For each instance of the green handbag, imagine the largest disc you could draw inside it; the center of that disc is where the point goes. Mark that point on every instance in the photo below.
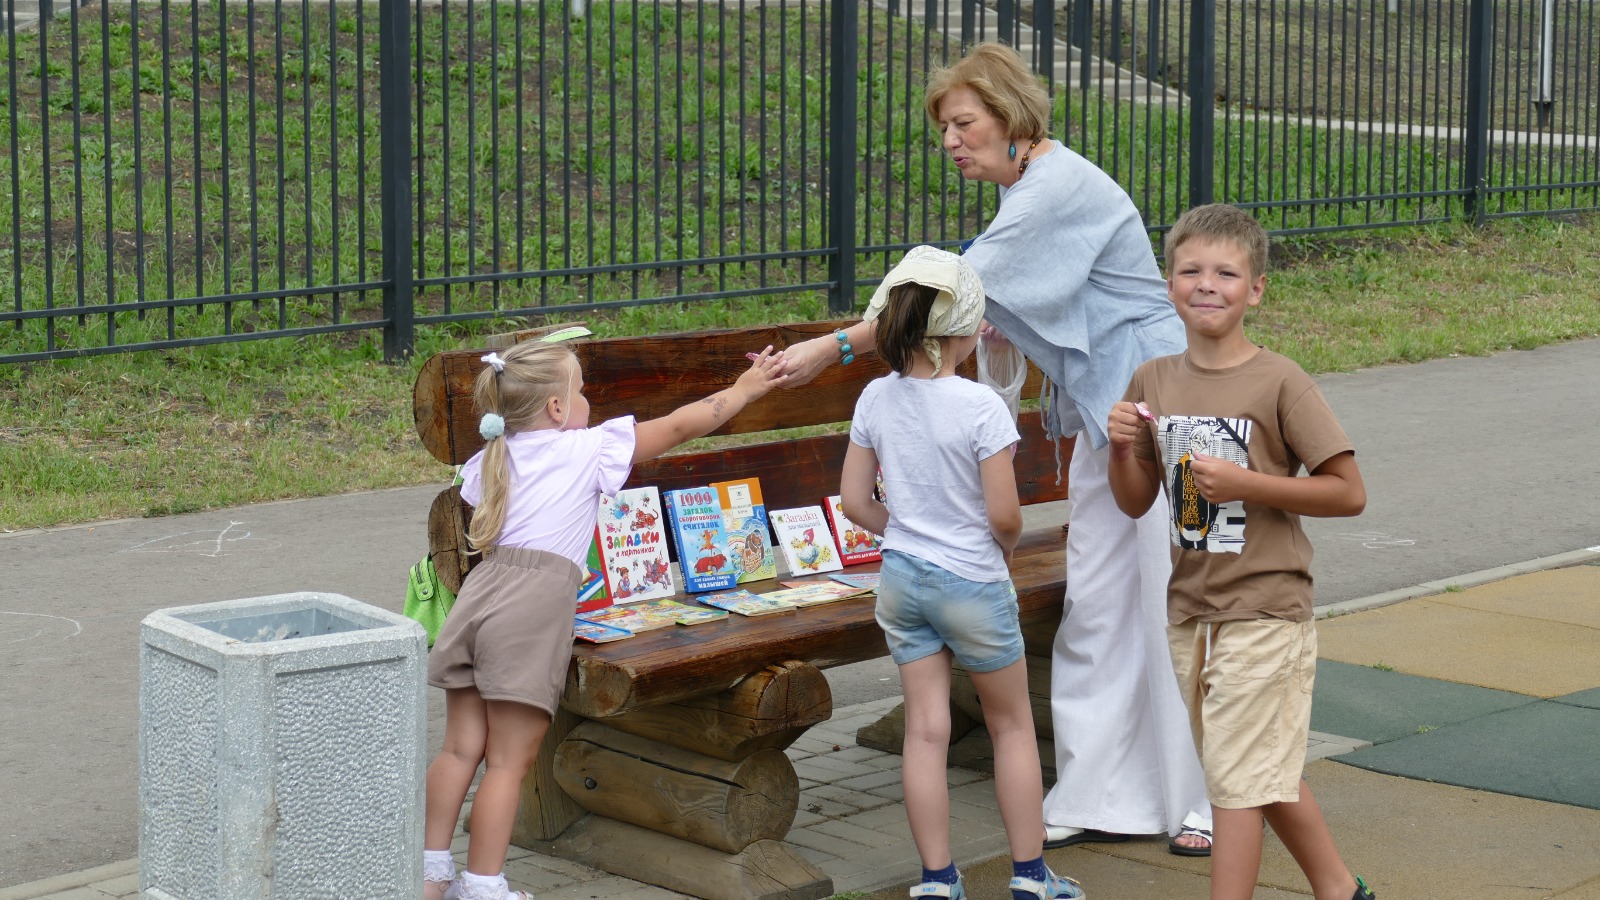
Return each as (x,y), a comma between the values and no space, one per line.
(428,601)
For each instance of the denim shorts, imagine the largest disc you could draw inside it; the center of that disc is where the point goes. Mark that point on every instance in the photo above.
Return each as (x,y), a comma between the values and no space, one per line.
(922,609)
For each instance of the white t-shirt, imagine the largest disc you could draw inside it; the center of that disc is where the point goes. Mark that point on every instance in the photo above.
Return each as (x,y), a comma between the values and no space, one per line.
(557,478)
(929,435)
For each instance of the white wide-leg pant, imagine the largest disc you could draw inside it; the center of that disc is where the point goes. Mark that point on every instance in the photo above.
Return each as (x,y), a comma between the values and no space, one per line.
(1125,760)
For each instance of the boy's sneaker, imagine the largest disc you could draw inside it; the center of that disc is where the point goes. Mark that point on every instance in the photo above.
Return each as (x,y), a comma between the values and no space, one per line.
(1362,891)
(957,891)
(1053,887)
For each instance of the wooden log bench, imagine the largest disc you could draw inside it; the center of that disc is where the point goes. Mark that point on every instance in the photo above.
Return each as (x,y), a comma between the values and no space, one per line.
(666,763)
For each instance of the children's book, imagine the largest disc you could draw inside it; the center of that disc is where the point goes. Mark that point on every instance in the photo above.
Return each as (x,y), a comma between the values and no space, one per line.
(592,593)
(856,544)
(867,580)
(815,593)
(633,546)
(805,541)
(671,612)
(747,604)
(627,617)
(744,518)
(695,516)
(596,633)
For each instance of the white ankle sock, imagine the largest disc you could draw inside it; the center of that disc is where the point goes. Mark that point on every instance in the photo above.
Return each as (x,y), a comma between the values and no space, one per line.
(438,865)
(484,887)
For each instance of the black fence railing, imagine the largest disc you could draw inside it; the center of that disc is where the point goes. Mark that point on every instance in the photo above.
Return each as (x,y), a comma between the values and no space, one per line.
(228,170)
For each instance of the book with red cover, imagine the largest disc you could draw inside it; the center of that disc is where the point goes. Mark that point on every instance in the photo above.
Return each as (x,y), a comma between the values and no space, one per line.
(856,544)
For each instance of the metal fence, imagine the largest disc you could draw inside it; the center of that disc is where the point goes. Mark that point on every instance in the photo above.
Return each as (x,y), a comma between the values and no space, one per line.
(235,169)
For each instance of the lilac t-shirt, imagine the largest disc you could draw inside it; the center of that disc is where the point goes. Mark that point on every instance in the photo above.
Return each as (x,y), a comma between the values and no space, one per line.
(557,478)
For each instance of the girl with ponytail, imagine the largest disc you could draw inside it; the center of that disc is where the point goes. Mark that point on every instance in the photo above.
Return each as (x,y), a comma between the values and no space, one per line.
(944,447)
(502,654)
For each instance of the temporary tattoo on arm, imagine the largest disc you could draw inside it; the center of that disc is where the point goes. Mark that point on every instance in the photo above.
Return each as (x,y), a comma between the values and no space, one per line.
(718,404)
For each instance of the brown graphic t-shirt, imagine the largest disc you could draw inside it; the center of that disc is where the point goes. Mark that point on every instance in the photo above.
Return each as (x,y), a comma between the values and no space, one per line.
(1235,560)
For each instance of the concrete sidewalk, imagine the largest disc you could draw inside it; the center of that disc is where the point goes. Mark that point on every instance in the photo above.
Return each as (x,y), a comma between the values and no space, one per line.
(1454,755)
(1478,469)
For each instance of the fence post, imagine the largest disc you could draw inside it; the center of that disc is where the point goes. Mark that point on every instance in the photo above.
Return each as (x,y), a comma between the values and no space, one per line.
(1202,100)
(394,143)
(842,159)
(1480,33)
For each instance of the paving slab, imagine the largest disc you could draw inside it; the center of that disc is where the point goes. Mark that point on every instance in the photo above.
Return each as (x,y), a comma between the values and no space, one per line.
(1452,642)
(1378,706)
(1104,877)
(1588,891)
(1589,698)
(1409,839)
(1545,750)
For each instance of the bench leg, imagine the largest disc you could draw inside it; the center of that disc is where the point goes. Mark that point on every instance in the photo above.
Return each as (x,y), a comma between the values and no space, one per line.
(692,796)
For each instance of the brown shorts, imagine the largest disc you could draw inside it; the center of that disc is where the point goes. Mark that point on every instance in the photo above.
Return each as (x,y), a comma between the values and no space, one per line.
(1249,700)
(510,632)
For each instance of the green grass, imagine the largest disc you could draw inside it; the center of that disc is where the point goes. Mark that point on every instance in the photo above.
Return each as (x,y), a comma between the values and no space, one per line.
(171,431)
(619,139)
(1357,60)
(633,137)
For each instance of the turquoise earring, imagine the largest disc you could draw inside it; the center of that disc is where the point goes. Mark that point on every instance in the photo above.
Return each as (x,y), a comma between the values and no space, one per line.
(1012,153)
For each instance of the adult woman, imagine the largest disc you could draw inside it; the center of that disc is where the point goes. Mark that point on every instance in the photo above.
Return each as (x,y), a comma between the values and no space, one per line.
(1071,279)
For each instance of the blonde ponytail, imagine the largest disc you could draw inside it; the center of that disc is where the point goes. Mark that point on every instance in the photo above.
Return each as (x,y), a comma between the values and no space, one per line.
(519,392)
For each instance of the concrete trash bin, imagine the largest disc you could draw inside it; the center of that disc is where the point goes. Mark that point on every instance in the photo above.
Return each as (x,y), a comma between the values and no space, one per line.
(281,744)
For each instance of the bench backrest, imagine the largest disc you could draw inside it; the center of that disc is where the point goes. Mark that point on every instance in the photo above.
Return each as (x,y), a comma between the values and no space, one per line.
(651,376)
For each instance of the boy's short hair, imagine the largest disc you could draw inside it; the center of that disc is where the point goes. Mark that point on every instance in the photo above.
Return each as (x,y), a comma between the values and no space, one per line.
(1000,78)
(1220,221)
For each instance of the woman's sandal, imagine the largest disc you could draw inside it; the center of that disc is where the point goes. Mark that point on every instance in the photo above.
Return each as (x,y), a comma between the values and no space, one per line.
(1194,825)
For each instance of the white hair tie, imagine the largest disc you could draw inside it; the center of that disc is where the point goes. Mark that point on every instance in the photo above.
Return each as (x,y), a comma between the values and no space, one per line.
(491,426)
(494,361)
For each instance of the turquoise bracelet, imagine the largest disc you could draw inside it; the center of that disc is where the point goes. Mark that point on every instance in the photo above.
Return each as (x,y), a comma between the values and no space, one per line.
(846,352)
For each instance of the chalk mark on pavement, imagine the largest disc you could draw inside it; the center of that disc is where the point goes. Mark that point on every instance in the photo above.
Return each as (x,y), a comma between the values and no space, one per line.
(205,543)
(77,627)
(1377,540)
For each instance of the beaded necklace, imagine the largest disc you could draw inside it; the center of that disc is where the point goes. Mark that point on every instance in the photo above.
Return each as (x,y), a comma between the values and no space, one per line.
(1022,167)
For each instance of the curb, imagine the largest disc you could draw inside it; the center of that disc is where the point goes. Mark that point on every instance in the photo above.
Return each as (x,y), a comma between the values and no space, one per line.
(67,882)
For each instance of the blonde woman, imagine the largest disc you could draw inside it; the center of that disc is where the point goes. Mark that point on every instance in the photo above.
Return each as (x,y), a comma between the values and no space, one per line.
(1071,279)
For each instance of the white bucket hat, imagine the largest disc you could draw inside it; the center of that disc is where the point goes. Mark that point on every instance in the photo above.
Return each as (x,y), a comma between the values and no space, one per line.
(957,310)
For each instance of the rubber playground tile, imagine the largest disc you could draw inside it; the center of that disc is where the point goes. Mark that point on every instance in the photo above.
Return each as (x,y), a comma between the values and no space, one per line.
(1544,751)
(1422,841)
(1590,699)
(1523,655)
(1409,839)
(1570,595)
(1378,706)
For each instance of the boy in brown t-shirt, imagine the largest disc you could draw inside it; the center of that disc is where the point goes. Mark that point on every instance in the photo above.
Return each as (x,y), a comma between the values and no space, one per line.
(1225,427)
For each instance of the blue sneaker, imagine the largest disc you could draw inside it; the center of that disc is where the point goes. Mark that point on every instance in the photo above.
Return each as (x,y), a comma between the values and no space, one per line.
(957,891)
(1053,887)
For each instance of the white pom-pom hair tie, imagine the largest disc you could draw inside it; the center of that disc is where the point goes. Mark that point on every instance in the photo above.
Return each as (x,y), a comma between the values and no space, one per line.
(495,361)
(491,426)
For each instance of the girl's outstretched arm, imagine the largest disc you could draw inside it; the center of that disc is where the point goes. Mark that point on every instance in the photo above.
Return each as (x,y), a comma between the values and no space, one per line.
(698,419)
